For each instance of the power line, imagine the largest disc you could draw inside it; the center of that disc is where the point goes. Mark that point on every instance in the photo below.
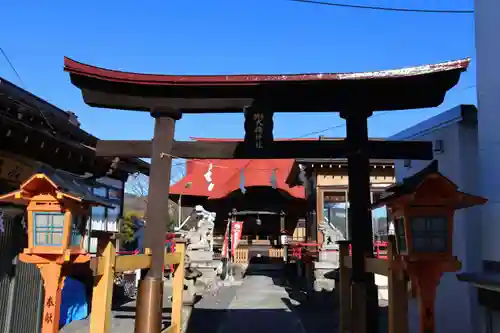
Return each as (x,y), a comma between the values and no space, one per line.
(12,67)
(24,86)
(210,164)
(392,9)
(334,127)
(377,114)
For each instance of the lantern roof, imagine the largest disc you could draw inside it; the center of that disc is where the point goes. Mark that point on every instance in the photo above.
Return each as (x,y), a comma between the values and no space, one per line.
(64,184)
(414,183)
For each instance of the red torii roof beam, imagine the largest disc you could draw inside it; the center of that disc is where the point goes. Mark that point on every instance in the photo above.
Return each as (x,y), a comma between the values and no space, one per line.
(408,88)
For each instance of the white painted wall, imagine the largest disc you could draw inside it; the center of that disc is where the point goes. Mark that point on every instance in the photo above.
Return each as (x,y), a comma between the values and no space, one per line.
(111,226)
(488,93)
(456,305)
(487,30)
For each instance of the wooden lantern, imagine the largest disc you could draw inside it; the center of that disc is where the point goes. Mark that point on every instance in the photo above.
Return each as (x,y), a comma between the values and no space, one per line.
(58,206)
(422,209)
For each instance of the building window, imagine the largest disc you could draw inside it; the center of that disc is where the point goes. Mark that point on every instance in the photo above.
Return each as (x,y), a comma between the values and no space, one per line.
(113,213)
(335,215)
(76,231)
(379,219)
(101,192)
(48,229)
(115,194)
(98,213)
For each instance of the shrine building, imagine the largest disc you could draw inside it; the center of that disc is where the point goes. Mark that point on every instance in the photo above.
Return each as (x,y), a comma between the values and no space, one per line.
(257,186)
(325,182)
(314,190)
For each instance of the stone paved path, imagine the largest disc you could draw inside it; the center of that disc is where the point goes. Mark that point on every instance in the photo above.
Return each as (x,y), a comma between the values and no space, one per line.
(261,306)
(211,311)
(255,304)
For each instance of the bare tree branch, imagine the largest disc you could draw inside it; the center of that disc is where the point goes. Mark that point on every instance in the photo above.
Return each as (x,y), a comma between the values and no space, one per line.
(139,185)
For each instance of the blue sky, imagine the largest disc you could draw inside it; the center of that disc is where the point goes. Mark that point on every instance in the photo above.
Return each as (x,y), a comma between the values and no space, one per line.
(228,36)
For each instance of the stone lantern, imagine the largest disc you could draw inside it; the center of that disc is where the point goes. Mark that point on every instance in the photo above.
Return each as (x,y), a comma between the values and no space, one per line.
(422,209)
(57,206)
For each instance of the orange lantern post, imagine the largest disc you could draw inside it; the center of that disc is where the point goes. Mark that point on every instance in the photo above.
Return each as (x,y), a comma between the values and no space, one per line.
(57,211)
(422,208)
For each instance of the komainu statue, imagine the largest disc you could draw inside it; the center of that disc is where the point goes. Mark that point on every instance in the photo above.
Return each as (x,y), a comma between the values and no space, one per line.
(330,235)
(200,237)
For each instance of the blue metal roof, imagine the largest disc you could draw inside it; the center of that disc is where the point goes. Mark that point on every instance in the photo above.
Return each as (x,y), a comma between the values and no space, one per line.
(445,119)
(75,185)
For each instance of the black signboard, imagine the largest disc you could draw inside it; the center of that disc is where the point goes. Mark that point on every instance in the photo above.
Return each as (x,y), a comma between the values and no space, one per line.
(258,128)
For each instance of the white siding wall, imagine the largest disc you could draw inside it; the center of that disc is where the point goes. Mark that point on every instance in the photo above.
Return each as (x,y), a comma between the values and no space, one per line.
(488,89)
(487,28)
(457,162)
(111,226)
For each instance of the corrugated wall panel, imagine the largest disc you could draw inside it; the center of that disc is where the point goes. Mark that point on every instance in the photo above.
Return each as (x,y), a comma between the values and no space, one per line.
(23,280)
(6,256)
(27,287)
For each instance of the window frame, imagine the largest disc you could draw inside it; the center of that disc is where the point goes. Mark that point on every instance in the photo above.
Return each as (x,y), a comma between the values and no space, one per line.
(49,228)
(429,234)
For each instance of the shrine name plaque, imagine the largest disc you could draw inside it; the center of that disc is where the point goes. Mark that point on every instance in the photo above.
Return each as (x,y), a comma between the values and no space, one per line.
(259,126)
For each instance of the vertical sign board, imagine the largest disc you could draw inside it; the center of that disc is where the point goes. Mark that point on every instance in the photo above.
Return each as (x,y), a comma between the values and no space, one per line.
(258,129)
(236,231)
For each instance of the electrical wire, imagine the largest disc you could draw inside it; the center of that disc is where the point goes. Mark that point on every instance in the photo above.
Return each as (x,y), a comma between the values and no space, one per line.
(24,86)
(12,67)
(299,137)
(392,9)
(212,165)
(209,164)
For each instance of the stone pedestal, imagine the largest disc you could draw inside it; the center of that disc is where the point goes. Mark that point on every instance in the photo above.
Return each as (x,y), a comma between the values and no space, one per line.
(203,262)
(200,256)
(331,257)
(324,274)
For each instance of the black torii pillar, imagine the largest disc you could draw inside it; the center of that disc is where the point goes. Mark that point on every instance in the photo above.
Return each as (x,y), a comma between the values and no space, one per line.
(363,289)
(149,308)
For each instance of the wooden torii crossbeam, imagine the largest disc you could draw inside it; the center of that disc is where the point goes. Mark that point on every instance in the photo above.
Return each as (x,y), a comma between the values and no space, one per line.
(377,149)
(356,95)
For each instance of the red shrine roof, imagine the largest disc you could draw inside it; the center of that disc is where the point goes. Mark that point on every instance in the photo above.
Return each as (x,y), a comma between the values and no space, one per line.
(316,92)
(226,176)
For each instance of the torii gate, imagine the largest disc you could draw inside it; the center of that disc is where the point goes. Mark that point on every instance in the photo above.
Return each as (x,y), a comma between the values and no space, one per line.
(354,95)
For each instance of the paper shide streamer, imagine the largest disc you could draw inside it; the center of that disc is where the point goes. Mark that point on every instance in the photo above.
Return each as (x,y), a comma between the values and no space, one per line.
(242,181)
(273,180)
(208,177)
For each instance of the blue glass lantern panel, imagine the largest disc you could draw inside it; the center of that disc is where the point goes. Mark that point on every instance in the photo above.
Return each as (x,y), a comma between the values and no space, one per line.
(48,229)
(399,226)
(430,234)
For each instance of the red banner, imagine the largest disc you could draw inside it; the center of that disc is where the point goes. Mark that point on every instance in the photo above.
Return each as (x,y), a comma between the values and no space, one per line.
(236,231)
